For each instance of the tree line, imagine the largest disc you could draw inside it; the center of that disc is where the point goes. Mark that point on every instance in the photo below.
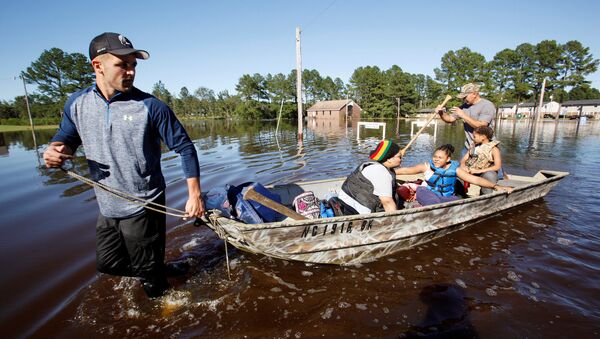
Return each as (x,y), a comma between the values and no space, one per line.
(512,75)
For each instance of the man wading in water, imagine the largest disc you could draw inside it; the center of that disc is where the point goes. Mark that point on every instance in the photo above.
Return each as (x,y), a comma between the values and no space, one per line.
(121,128)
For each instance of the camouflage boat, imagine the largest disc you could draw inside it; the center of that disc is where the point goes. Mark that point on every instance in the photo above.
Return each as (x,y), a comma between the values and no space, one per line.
(362,238)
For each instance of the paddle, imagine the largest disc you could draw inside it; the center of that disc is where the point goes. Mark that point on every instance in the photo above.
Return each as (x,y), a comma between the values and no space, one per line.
(403,151)
(251,194)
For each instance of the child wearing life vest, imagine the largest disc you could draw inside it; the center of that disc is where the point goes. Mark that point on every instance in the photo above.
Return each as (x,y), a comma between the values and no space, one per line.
(440,175)
(483,159)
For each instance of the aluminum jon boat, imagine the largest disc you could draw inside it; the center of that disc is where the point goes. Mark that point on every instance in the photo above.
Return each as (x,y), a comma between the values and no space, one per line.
(349,240)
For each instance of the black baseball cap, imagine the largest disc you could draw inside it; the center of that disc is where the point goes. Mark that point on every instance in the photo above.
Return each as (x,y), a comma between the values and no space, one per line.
(114,43)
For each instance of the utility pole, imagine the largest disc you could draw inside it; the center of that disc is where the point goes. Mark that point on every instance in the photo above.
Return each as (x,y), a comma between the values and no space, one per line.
(398,118)
(299,82)
(539,112)
(29,112)
(346,114)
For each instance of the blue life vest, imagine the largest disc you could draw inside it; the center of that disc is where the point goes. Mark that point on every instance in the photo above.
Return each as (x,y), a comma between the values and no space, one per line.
(442,181)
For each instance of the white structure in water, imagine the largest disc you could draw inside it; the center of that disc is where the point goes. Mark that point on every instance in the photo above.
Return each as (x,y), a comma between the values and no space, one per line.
(568,109)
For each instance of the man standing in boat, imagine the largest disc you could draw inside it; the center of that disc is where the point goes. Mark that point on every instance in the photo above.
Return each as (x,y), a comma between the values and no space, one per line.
(371,186)
(474,112)
(121,128)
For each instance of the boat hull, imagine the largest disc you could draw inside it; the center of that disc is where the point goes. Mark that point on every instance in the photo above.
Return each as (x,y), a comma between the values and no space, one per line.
(363,238)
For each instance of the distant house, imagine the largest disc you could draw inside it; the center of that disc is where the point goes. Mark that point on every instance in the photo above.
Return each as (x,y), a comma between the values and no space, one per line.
(526,109)
(588,108)
(572,108)
(334,110)
(423,113)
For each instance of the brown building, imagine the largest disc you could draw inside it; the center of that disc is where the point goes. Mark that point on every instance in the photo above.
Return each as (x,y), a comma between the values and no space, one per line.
(334,110)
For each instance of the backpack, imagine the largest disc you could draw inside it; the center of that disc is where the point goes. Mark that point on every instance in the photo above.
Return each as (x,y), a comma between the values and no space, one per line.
(307,205)
(217,199)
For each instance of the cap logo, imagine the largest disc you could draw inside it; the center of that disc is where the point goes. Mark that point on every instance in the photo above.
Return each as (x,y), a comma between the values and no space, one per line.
(124,41)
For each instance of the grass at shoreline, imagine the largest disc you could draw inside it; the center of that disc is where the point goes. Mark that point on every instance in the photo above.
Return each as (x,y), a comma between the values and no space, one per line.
(18,128)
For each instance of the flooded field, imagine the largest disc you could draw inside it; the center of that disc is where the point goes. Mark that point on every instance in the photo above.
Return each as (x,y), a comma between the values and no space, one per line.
(530,271)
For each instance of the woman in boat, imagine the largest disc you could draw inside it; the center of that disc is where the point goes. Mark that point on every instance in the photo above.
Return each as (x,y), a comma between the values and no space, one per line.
(441,174)
(483,159)
(371,186)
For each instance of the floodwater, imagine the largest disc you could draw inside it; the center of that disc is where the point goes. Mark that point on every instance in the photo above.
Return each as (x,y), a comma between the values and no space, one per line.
(531,271)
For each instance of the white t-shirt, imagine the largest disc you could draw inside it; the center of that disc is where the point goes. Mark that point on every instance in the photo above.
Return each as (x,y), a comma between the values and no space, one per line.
(381,179)
(428,173)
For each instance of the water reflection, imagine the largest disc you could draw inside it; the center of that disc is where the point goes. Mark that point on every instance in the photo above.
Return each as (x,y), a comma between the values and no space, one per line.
(3,146)
(447,314)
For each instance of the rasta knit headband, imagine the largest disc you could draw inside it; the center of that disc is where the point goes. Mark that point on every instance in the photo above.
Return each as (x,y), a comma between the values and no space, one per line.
(385,150)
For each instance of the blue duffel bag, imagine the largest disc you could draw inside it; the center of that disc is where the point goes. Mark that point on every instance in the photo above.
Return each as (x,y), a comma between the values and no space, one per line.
(252,212)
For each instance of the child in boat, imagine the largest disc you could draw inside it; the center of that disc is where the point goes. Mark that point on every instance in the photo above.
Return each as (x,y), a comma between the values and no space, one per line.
(440,175)
(483,158)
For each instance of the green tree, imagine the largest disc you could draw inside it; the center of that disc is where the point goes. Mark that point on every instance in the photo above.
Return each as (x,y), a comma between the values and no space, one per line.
(252,87)
(576,63)
(341,88)
(186,104)
(162,93)
(503,71)
(460,67)
(39,106)
(523,72)
(548,55)
(279,87)
(399,85)
(367,85)
(584,92)
(292,80)
(226,104)
(428,91)
(313,86)
(7,110)
(206,101)
(331,89)
(57,74)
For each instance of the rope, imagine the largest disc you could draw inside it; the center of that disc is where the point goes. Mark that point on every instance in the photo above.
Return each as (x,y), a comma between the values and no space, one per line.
(227,258)
(128,197)
(141,202)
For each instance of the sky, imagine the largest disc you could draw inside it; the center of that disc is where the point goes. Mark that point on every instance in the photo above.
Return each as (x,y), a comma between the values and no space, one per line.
(213,43)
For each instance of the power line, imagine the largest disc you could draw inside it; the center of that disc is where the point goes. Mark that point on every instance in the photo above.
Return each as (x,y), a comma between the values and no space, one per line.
(318,15)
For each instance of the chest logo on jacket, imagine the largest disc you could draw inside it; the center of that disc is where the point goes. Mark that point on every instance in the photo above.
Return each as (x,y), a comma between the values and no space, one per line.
(127,117)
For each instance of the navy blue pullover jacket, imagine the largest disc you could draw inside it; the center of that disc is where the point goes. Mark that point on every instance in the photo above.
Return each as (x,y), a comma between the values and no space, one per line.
(121,140)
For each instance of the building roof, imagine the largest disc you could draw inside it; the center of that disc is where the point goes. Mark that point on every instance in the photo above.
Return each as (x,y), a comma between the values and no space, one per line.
(330,105)
(425,110)
(590,102)
(529,104)
(523,104)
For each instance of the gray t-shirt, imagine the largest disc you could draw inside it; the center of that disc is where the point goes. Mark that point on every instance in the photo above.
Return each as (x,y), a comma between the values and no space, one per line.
(483,110)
